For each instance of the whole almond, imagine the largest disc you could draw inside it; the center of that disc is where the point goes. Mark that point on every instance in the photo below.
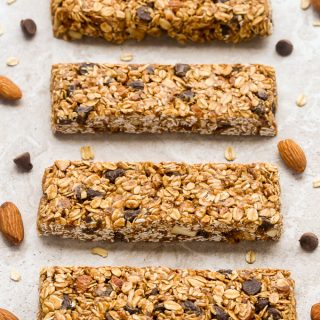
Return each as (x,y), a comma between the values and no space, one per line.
(11,224)
(9,90)
(315,312)
(6,315)
(292,155)
(316,4)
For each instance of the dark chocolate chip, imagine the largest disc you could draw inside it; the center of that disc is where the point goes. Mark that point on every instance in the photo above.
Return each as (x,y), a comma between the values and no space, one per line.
(203,234)
(150,69)
(309,242)
(181,70)
(225,271)
(80,192)
(83,68)
(28,27)
(173,173)
(225,30)
(274,314)
(159,307)
(261,304)
(136,84)
(66,302)
(71,89)
(251,287)
(144,14)
(220,314)
(265,225)
(23,162)
(259,109)
(83,113)
(94,194)
(118,236)
(64,121)
(262,95)
(284,48)
(154,292)
(108,316)
(186,95)
(131,214)
(189,306)
(112,175)
(132,310)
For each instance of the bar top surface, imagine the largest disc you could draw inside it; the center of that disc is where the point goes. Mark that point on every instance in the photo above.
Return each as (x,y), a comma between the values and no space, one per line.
(112,293)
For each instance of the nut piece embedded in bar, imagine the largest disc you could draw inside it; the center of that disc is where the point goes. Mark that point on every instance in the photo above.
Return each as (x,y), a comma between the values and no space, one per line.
(203,98)
(168,201)
(188,20)
(163,293)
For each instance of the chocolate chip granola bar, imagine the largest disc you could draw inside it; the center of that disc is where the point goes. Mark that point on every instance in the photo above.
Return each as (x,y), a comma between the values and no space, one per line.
(207,99)
(112,293)
(184,20)
(167,201)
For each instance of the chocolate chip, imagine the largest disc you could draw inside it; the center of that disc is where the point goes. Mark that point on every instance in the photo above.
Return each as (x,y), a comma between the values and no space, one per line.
(261,304)
(220,314)
(203,234)
(83,68)
(225,30)
(225,271)
(309,242)
(118,236)
(186,95)
(154,292)
(108,316)
(29,27)
(265,225)
(80,192)
(66,302)
(112,175)
(131,214)
(94,194)
(262,95)
(259,109)
(131,310)
(159,307)
(64,121)
(274,314)
(251,287)
(71,89)
(143,13)
(181,70)
(284,48)
(189,306)
(150,69)
(83,113)
(23,162)
(136,84)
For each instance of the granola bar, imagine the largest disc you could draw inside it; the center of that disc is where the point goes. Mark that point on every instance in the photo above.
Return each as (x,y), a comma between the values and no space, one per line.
(230,21)
(115,293)
(168,201)
(209,99)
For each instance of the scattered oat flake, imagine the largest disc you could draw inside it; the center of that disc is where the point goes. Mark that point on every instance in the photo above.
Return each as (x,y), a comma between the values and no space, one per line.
(15,275)
(301,101)
(87,153)
(12,61)
(11,1)
(316,183)
(100,252)
(251,257)
(229,154)
(126,57)
(305,4)
(1,31)
(316,24)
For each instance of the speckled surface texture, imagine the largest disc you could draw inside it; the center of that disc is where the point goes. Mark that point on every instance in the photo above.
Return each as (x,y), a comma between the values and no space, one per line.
(25,127)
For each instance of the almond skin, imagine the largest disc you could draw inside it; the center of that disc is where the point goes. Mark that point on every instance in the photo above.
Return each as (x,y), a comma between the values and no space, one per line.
(292,155)
(316,4)
(6,315)
(11,224)
(315,312)
(9,90)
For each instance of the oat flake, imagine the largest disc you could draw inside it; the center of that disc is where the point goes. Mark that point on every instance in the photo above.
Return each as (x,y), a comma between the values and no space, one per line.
(12,61)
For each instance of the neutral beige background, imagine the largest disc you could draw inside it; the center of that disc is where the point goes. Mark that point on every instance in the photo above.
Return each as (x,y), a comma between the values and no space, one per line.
(25,127)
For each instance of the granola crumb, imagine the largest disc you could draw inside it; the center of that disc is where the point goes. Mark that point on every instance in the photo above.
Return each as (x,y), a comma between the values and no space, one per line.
(100,252)
(15,276)
(126,57)
(230,154)
(12,61)
(301,100)
(251,257)
(87,153)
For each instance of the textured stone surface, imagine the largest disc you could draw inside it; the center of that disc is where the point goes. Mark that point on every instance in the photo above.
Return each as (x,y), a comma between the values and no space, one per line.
(26,127)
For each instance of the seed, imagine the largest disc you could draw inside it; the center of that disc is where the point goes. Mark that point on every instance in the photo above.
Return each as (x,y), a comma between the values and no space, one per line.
(309,241)
(87,153)
(126,57)
(12,61)
(100,252)
(229,154)
(15,276)
(29,27)
(305,4)
(301,100)
(251,257)
(284,48)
